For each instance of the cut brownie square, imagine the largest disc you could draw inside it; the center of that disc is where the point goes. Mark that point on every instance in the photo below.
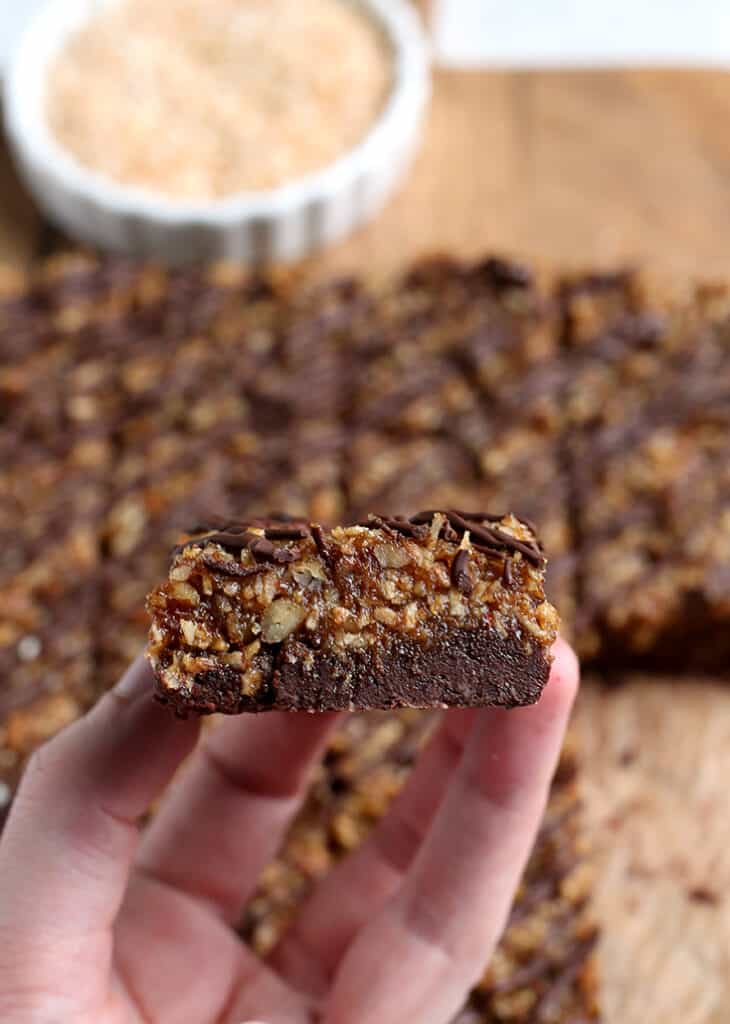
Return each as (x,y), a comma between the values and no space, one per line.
(47,668)
(514,441)
(436,610)
(654,537)
(544,969)
(51,505)
(403,473)
(648,418)
(440,336)
(490,317)
(630,336)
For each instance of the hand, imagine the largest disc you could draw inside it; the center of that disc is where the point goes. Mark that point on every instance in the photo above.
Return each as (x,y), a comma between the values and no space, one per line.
(99,925)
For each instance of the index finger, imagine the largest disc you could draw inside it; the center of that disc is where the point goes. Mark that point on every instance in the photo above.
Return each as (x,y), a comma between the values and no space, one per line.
(448,915)
(68,844)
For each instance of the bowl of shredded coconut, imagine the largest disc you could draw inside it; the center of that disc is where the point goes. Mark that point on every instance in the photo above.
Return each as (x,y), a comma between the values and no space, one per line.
(252,130)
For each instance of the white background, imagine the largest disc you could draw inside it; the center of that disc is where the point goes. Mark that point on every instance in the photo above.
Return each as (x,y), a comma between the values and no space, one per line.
(580,32)
(546,32)
(13,14)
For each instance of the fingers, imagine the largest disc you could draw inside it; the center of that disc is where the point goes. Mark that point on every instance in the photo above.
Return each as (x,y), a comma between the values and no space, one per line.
(347,898)
(445,920)
(69,840)
(225,819)
(185,965)
(157,933)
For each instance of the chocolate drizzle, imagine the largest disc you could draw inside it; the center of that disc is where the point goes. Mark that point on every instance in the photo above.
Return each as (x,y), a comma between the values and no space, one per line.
(506,273)
(286,532)
(322,546)
(488,538)
(236,537)
(398,524)
(483,532)
(460,572)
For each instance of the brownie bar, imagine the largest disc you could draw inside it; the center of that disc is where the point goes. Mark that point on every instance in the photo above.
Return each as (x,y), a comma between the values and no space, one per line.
(630,339)
(402,473)
(47,672)
(654,556)
(444,608)
(484,321)
(544,970)
(646,439)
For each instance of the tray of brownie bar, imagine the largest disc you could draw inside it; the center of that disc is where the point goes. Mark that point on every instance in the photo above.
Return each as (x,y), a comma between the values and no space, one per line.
(593,408)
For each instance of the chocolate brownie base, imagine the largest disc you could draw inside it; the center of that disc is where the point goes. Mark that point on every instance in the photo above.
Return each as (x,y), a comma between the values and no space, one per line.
(461,668)
(442,609)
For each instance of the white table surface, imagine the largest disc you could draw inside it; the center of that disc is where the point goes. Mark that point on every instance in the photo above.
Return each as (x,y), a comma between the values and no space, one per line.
(543,32)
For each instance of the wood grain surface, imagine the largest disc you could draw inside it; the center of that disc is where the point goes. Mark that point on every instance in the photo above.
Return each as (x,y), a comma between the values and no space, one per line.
(600,168)
(657,759)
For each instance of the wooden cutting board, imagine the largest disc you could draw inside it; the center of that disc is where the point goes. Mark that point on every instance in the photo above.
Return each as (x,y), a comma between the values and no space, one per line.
(600,168)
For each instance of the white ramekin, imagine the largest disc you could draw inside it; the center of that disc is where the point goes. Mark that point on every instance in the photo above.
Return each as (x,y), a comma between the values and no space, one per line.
(280,225)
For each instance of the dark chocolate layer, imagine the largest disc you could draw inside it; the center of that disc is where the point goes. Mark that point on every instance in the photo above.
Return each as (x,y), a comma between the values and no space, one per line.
(461,668)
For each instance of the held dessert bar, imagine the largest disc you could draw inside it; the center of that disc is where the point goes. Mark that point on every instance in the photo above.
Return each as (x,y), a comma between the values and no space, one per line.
(441,609)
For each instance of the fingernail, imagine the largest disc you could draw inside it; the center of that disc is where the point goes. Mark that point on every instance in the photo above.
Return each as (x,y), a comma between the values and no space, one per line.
(136,681)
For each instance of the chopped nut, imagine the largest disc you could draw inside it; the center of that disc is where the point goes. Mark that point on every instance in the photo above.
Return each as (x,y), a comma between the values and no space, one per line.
(344,617)
(346,831)
(437,525)
(390,556)
(457,605)
(234,629)
(546,616)
(309,573)
(386,616)
(253,649)
(280,619)
(194,664)
(251,682)
(188,629)
(184,594)
(410,619)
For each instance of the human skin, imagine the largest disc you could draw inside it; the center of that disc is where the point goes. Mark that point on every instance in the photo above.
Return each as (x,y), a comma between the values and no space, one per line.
(101,923)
